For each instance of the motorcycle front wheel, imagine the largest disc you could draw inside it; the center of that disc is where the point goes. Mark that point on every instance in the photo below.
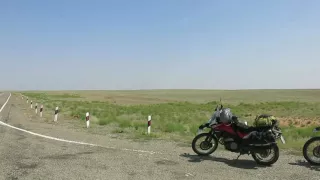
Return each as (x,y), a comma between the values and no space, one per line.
(271,153)
(315,151)
(209,144)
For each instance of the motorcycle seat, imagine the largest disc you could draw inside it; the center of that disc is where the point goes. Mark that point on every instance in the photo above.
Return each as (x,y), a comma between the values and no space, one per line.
(246,129)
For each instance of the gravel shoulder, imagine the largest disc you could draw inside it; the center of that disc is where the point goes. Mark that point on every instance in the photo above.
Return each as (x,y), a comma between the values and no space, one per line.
(26,156)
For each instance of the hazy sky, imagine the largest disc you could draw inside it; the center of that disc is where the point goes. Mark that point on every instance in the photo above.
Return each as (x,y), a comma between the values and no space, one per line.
(151,44)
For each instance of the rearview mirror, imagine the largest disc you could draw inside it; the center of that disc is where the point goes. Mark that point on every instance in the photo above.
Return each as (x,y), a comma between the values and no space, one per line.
(234,118)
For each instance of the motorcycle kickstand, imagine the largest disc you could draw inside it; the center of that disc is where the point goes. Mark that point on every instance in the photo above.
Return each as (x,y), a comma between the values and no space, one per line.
(238,156)
(236,160)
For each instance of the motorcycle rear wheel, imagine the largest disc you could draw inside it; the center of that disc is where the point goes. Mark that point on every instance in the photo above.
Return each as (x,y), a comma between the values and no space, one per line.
(305,148)
(204,144)
(274,158)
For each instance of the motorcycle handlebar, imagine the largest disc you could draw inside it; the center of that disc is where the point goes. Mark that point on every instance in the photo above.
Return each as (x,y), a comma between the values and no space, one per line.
(206,125)
(217,107)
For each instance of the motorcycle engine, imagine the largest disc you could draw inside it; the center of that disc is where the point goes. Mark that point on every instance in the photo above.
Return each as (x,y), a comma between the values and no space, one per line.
(230,144)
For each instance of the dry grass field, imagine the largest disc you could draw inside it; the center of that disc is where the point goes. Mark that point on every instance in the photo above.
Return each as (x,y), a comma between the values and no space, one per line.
(195,96)
(176,114)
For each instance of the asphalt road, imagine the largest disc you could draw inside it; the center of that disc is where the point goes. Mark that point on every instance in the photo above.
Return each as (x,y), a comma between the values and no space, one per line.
(28,156)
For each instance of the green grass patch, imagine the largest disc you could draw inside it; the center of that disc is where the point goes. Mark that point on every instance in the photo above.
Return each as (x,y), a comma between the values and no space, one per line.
(176,120)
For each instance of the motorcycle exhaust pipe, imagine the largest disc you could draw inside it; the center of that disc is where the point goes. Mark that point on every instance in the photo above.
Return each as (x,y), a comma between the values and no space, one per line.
(261,146)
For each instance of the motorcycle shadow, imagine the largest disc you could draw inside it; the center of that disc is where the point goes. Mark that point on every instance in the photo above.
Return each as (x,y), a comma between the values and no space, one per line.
(305,164)
(240,163)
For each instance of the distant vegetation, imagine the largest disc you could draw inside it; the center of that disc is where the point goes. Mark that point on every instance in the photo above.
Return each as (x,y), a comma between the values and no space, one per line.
(179,120)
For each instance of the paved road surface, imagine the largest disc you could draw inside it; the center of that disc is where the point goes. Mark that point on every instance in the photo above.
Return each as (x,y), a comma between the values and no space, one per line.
(26,156)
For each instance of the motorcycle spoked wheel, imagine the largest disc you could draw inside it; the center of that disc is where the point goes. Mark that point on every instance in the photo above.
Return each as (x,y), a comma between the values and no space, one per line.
(261,156)
(209,146)
(315,151)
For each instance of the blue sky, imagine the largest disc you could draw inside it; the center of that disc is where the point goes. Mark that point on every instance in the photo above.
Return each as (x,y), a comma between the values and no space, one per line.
(145,44)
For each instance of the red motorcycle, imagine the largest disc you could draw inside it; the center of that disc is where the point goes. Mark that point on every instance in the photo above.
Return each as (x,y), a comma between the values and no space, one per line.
(237,137)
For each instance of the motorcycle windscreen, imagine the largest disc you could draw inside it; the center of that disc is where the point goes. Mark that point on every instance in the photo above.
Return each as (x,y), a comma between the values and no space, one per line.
(213,119)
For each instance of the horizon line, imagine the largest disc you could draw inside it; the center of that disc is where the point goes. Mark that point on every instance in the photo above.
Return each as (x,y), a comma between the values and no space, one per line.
(174,89)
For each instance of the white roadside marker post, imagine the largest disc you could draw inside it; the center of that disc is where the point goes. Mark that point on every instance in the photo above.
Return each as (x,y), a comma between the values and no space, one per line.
(149,124)
(27,100)
(31,104)
(56,114)
(87,119)
(41,109)
(36,108)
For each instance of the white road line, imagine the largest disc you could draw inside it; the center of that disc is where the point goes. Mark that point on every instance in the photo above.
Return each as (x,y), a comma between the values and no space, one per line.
(68,141)
(5,103)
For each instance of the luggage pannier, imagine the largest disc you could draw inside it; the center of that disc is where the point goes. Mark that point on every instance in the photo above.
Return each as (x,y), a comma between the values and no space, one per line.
(263,120)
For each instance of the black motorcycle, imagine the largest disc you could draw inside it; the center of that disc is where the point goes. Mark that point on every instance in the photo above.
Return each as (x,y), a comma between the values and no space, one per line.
(315,151)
